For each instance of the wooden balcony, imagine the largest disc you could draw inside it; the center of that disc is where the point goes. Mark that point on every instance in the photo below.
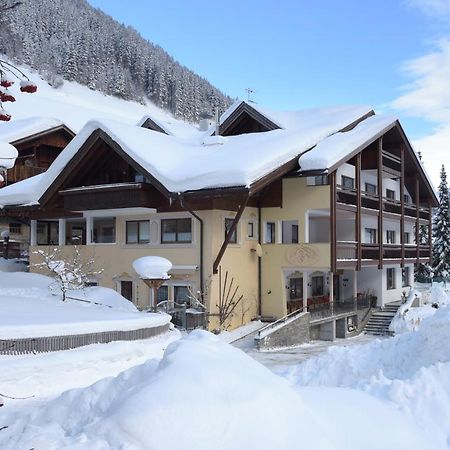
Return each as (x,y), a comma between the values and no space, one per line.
(371,201)
(20,172)
(110,196)
(346,253)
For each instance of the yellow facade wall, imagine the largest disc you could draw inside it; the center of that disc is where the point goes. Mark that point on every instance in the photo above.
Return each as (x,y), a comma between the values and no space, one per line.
(298,199)
(115,261)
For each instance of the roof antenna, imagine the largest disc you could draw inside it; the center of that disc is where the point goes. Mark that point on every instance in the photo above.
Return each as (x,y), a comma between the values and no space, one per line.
(249,91)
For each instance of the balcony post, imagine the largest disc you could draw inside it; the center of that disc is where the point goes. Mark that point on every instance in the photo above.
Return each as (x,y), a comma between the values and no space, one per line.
(305,291)
(358,213)
(430,232)
(402,204)
(380,202)
(333,221)
(89,229)
(417,220)
(62,231)
(33,232)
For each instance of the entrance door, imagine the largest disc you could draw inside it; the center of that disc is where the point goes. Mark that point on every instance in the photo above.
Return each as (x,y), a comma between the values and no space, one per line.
(126,290)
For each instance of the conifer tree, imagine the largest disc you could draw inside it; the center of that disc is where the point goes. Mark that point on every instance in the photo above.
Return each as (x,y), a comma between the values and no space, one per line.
(441,231)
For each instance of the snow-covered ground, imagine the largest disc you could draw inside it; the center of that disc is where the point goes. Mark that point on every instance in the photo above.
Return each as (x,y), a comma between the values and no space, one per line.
(202,393)
(29,308)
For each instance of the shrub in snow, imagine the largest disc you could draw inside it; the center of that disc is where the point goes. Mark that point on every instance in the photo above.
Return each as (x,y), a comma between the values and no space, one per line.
(8,155)
(152,267)
(68,274)
(7,71)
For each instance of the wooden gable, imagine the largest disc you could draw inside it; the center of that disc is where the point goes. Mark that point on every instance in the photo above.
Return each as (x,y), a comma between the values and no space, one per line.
(37,152)
(152,125)
(245,119)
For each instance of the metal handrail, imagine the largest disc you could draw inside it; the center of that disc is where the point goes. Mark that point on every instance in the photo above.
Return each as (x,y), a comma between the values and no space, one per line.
(279,321)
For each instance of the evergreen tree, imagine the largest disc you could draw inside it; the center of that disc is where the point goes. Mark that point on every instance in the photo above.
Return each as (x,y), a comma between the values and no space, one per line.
(97,51)
(441,231)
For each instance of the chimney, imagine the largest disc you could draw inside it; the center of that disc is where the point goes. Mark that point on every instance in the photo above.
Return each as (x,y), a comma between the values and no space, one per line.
(206,121)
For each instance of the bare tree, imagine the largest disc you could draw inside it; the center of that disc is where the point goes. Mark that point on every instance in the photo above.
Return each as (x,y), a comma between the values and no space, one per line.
(229,299)
(68,274)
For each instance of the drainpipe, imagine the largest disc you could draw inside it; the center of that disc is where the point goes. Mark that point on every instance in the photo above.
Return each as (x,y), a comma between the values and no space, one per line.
(259,265)
(195,215)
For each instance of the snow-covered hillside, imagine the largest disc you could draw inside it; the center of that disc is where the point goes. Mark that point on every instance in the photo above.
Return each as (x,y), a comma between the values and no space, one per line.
(75,104)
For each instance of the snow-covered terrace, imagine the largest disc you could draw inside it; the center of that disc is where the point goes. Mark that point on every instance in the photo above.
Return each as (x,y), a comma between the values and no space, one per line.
(198,162)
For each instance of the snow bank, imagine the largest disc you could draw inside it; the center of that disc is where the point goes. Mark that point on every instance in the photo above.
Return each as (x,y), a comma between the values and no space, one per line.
(29,309)
(411,370)
(152,267)
(204,394)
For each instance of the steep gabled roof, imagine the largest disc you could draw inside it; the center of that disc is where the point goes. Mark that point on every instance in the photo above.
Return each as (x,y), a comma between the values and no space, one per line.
(18,131)
(170,126)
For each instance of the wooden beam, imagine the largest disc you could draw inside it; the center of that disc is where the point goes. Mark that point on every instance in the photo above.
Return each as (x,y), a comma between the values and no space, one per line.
(430,232)
(333,233)
(358,213)
(380,202)
(417,219)
(229,234)
(402,203)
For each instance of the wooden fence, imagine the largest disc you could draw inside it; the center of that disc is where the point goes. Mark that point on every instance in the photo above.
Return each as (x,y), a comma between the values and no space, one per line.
(57,343)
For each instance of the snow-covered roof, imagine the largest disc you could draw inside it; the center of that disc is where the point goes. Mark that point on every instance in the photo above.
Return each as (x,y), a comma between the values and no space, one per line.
(22,128)
(287,120)
(334,148)
(173,127)
(191,164)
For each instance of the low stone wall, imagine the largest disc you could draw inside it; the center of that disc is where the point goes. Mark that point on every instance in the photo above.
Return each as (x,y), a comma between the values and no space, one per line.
(288,334)
(57,343)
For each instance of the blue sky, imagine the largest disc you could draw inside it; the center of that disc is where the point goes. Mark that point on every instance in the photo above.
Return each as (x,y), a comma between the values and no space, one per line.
(299,54)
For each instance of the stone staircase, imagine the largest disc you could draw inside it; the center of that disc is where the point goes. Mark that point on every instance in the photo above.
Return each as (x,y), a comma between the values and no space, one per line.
(379,322)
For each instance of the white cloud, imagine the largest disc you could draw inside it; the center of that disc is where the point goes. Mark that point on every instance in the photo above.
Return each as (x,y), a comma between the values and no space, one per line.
(438,9)
(435,150)
(428,97)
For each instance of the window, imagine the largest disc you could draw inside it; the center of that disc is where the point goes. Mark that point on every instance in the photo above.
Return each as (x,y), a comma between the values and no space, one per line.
(390,236)
(405,276)
(390,279)
(75,231)
(176,231)
(104,230)
(289,229)
(126,290)
(390,194)
(406,237)
(371,189)
(406,198)
(138,232)
(317,286)
(270,233)
(348,182)
(15,227)
(295,288)
(228,225)
(251,229)
(180,294)
(371,235)
(163,294)
(47,233)
(320,180)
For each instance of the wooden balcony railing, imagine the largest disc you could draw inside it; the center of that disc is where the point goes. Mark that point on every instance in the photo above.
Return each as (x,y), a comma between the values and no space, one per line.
(19,173)
(348,196)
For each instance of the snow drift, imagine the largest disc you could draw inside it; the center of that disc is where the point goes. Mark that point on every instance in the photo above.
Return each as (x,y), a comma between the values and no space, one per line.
(205,394)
